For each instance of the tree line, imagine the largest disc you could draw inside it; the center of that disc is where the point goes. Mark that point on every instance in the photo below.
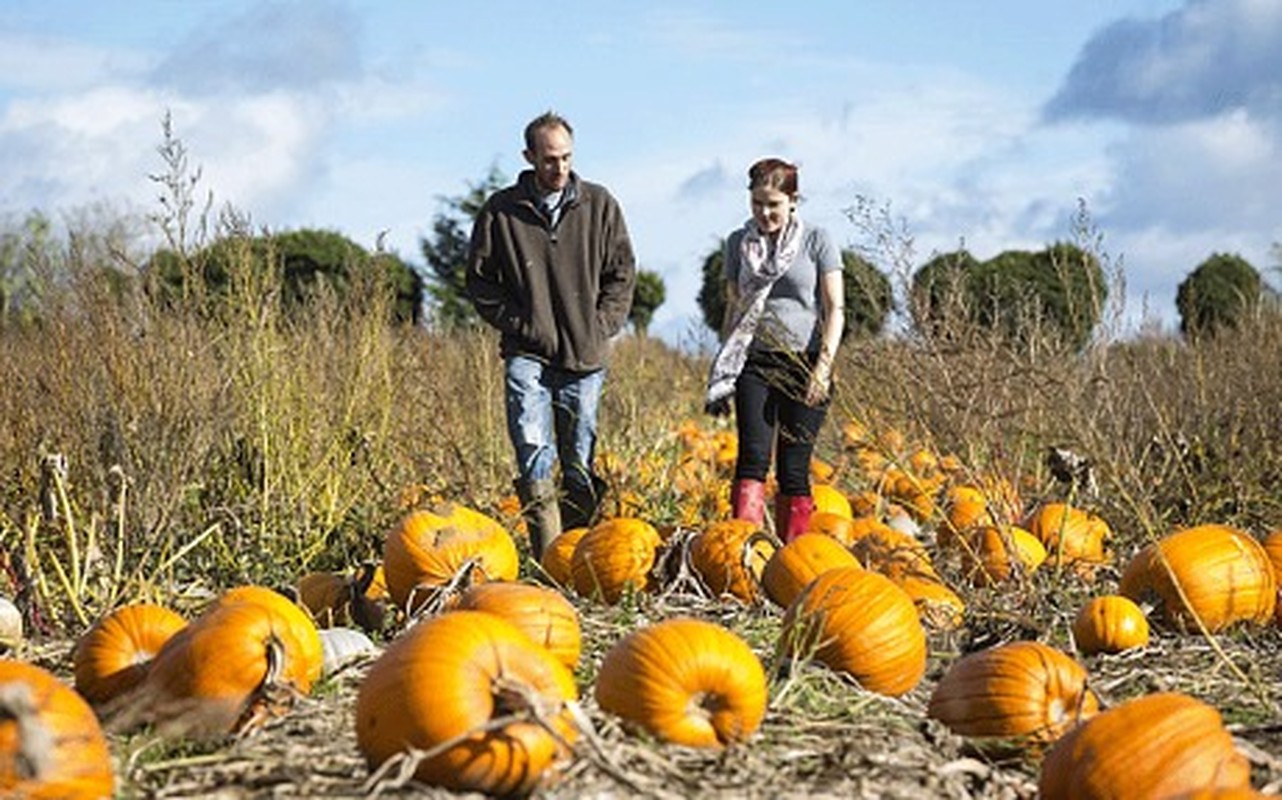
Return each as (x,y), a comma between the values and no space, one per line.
(1060,289)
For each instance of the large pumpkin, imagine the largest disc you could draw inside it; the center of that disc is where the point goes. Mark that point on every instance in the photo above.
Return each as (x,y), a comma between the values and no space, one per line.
(1072,536)
(540,613)
(858,622)
(615,557)
(472,681)
(1159,745)
(431,548)
(113,656)
(51,744)
(1024,692)
(241,661)
(1110,624)
(801,561)
(1215,573)
(685,681)
(729,557)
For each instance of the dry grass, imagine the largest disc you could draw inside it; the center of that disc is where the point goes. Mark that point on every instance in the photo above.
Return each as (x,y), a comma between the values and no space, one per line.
(254,446)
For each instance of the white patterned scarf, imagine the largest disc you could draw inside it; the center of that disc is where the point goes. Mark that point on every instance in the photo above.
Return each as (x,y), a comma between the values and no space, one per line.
(759,268)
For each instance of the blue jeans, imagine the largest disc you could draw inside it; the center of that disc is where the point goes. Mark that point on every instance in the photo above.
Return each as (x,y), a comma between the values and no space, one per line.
(551,415)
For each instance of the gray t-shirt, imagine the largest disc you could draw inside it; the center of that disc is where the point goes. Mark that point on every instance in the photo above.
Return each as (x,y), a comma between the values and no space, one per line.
(790,320)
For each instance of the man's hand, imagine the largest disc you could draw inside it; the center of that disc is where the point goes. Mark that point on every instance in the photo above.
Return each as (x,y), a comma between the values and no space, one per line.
(718,408)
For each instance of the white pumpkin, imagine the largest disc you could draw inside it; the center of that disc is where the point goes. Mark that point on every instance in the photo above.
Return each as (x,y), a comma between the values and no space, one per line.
(341,646)
(10,625)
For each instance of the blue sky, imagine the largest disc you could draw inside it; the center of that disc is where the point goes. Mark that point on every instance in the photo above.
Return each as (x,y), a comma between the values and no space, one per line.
(980,123)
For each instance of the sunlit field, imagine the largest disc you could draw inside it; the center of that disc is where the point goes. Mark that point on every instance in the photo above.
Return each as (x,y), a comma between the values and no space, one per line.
(164,452)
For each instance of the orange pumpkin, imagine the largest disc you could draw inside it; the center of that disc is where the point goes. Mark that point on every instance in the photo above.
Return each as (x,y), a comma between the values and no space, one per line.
(557,555)
(333,598)
(858,622)
(1214,573)
(1072,536)
(1159,745)
(729,557)
(469,680)
(829,498)
(965,507)
(685,681)
(113,656)
(615,557)
(938,606)
(838,526)
(51,744)
(1022,691)
(297,633)
(1110,624)
(429,549)
(799,562)
(1273,549)
(541,613)
(992,554)
(241,661)
(884,549)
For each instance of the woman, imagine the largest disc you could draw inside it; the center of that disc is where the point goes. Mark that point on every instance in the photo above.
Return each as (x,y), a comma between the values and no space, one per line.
(784,317)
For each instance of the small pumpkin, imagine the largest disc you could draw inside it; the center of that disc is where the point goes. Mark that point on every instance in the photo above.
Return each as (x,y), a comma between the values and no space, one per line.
(1026,693)
(615,557)
(799,562)
(965,507)
(993,555)
(686,681)
(829,498)
(1214,573)
(557,555)
(1110,624)
(938,606)
(1273,549)
(729,557)
(51,744)
(884,549)
(335,598)
(472,679)
(543,614)
(341,646)
(431,548)
(858,622)
(113,656)
(1073,537)
(1158,745)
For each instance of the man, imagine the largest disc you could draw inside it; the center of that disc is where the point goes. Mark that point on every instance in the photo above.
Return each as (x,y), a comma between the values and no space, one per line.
(551,267)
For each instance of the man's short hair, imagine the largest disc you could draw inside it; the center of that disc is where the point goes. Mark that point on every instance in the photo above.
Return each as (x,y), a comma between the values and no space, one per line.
(548,119)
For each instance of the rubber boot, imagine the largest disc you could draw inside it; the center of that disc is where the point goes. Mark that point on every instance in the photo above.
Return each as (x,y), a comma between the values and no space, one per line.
(579,507)
(541,512)
(792,515)
(748,500)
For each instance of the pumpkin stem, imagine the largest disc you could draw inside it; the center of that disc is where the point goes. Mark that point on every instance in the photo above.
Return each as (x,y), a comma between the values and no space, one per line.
(271,696)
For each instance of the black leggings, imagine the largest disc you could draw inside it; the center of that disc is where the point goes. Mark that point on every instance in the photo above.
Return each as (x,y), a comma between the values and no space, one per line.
(769,397)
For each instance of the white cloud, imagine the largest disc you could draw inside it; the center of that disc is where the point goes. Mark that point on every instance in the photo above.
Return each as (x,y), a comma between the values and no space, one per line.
(1204,59)
(47,64)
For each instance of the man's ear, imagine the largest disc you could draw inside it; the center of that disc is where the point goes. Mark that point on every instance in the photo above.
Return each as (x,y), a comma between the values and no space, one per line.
(529,157)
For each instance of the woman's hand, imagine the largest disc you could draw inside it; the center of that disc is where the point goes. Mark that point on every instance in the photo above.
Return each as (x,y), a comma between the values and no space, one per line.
(820,384)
